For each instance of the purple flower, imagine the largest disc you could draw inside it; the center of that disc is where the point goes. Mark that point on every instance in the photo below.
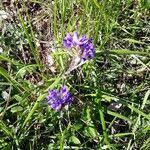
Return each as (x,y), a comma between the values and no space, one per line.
(88,51)
(59,98)
(68,41)
(83,45)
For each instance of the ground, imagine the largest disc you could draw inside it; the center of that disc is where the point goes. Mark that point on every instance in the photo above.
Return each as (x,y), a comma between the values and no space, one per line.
(111,91)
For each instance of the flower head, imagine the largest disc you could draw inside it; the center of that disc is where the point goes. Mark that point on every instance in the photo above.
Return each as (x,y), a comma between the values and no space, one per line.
(59,98)
(83,45)
(68,41)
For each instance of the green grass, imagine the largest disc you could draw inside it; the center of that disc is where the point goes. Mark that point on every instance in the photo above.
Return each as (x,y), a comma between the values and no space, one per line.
(111,91)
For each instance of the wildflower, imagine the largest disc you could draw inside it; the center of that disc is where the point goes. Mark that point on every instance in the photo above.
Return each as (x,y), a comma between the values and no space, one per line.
(68,41)
(59,98)
(83,45)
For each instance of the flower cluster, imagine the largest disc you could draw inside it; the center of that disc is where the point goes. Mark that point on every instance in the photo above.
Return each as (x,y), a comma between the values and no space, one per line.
(82,44)
(82,48)
(59,98)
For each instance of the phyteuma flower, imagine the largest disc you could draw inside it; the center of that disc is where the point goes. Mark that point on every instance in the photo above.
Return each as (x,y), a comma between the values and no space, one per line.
(59,98)
(83,46)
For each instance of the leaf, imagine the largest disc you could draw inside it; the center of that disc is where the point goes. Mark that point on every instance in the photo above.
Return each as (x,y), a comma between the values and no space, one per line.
(1,108)
(21,73)
(146,145)
(5,129)
(75,140)
(145,99)
(127,52)
(25,69)
(90,131)
(16,109)
(146,129)
(40,98)
(97,4)
(10,61)
(133,41)
(16,84)
(138,111)
(118,116)
(78,126)
(121,135)
(18,98)
(31,38)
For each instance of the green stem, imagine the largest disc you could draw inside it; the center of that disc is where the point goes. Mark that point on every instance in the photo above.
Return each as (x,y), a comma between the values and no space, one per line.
(103,124)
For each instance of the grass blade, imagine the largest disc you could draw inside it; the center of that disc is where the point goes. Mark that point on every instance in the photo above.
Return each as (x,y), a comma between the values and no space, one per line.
(4,73)
(119,116)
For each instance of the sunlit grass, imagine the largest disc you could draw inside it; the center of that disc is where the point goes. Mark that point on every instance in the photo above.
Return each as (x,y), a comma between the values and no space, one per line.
(111,91)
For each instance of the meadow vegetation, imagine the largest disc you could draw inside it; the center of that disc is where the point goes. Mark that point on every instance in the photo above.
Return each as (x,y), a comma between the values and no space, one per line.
(110,102)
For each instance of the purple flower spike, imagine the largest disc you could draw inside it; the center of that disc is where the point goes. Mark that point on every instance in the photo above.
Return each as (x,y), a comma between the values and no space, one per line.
(75,39)
(83,45)
(59,98)
(68,41)
(88,51)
